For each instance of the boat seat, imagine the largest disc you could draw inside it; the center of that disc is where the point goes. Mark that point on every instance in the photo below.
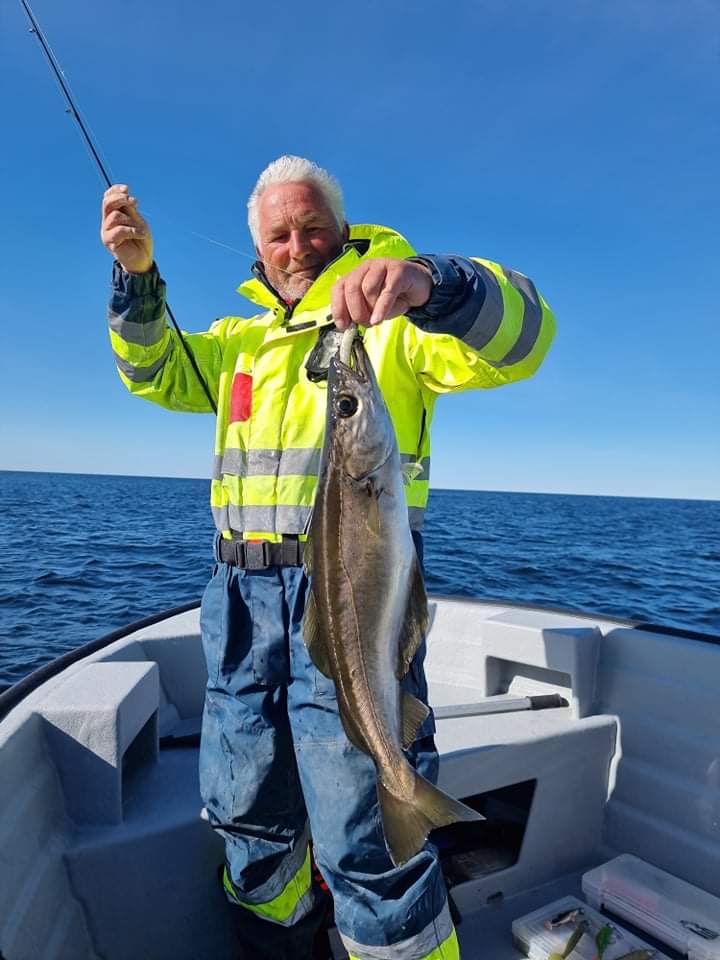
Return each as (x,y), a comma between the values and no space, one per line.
(567,751)
(136,814)
(102,718)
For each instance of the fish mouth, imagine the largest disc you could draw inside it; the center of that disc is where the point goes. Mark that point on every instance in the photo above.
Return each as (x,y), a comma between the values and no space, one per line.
(357,372)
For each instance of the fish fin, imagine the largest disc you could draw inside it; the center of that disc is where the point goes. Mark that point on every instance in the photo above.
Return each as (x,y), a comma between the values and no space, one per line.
(415,623)
(413,712)
(313,638)
(408,823)
(410,471)
(307,558)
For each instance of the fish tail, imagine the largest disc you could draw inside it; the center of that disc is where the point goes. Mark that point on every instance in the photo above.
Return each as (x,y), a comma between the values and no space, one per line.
(407,823)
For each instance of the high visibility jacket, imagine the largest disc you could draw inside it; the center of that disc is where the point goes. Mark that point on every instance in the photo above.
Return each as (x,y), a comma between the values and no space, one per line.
(271,416)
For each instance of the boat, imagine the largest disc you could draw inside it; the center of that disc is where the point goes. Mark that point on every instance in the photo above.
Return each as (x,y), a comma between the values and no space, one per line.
(105,851)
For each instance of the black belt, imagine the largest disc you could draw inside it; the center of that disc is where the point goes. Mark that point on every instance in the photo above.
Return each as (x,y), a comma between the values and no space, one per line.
(261,554)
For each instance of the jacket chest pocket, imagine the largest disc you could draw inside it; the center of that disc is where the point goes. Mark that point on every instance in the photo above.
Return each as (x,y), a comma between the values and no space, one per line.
(241,397)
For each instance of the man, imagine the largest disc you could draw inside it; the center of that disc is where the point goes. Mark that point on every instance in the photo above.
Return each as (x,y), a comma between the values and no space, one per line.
(276,768)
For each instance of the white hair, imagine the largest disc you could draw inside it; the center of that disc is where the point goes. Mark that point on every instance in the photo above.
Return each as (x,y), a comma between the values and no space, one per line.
(289,169)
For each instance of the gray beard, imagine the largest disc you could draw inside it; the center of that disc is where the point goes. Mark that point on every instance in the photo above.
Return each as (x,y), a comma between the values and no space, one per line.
(292,289)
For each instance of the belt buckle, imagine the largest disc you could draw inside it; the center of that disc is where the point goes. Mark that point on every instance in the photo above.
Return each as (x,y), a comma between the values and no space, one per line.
(257,554)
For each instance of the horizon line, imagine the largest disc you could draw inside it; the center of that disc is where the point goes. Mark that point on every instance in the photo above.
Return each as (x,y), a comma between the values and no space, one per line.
(537,493)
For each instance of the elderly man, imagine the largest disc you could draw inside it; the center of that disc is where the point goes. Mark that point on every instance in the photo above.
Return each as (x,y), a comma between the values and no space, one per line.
(276,768)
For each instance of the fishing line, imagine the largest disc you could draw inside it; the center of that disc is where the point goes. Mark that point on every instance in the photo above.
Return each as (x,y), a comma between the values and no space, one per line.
(240,253)
(73,111)
(253,257)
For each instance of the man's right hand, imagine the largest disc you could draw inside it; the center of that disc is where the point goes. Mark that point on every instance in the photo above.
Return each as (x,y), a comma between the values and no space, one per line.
(124,232)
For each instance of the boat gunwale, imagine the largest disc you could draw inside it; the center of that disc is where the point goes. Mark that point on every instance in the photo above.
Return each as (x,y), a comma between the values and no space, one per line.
(15,694)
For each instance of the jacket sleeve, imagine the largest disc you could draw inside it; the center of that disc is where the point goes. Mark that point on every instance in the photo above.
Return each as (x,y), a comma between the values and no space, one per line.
(484,326)
(151,361)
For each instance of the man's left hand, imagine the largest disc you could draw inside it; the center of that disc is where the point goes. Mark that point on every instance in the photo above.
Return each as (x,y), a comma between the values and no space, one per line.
(378,290)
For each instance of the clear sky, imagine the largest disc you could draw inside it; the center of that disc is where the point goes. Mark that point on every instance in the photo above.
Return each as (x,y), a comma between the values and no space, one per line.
(576,142)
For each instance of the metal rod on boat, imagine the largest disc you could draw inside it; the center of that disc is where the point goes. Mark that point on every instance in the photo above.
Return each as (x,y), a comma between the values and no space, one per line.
(189,736)
(73,111)
(502,704)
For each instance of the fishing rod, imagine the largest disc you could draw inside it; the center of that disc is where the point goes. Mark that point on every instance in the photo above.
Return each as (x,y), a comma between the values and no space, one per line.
(73,111)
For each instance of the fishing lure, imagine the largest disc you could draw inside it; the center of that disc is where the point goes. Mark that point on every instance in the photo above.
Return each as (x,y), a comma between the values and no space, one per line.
(603,940)
(575,938)
(567,916)
(637,955)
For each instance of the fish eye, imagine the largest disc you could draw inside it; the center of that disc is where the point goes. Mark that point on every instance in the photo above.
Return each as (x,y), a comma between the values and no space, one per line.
(346,405)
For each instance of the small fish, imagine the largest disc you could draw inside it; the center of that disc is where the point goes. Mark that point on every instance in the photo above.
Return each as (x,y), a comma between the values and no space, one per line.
(367,611)
(567,916)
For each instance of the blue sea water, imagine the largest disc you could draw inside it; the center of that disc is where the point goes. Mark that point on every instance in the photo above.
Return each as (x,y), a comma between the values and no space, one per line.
(83,555)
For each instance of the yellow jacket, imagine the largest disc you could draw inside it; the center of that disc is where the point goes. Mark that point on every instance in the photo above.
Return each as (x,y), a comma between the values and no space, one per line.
(271,416)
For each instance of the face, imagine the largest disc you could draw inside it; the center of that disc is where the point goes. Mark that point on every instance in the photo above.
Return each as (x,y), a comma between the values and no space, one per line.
(298,236)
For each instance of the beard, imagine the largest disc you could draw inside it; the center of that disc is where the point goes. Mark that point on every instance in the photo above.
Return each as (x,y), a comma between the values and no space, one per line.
(293,285)
(290,287)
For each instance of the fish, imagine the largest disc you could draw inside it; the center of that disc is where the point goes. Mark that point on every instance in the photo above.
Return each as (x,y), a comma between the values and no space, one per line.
(367,613)
(567,916)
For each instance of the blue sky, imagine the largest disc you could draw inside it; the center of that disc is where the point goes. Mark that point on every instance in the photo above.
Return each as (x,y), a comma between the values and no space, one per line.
(576,142)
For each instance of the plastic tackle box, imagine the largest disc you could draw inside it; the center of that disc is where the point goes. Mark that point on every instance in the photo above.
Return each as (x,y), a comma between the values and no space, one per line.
(675,912)
(538,938)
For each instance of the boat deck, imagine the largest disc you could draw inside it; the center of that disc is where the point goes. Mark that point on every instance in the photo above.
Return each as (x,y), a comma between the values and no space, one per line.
(485,929)
(106,854)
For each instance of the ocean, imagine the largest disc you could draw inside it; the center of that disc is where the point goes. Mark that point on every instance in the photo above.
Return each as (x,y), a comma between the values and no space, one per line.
(83,555)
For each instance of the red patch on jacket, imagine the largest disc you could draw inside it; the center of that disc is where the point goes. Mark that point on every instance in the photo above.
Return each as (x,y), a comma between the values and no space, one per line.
(241,397)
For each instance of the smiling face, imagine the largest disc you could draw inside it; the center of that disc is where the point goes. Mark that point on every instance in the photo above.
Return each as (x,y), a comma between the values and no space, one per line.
(298,236)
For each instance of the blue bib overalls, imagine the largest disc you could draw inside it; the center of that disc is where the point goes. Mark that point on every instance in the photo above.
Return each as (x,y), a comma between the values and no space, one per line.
(277,769)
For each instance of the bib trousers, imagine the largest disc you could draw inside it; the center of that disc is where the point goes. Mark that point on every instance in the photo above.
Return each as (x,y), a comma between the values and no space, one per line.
(277,770)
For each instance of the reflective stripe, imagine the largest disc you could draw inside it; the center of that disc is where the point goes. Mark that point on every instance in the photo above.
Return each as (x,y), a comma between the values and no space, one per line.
(293,902)
(423,461)
(532,319)
(300,461)
(289,867)
(437,941)
(217,472)
(491,314)
(142,374)
(279,519)
(221,518)
(146,334)
(416,516)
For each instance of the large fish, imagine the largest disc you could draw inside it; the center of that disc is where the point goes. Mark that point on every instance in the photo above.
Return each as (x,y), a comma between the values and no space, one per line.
(367,611)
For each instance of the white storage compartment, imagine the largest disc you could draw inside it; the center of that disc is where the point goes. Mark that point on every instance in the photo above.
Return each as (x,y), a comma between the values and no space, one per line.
(569,929)
(673,911)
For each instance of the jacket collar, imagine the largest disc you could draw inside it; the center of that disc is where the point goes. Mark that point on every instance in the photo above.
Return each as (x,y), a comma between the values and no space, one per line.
(366,242)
